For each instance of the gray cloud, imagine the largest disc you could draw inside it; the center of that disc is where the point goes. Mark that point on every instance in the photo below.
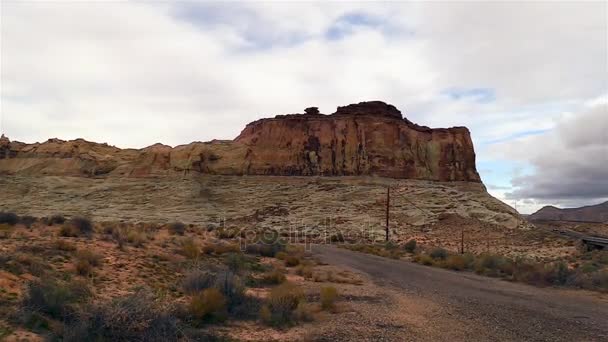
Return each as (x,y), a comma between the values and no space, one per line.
(570,163)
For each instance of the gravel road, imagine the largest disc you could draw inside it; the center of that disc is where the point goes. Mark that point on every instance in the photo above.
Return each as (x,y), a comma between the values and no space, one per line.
(489,309)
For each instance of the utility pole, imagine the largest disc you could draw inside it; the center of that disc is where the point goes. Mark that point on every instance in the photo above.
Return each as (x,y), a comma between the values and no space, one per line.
(461,240)
(388,202)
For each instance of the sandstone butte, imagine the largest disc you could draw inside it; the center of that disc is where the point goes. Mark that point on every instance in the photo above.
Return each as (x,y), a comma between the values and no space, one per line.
(369,138)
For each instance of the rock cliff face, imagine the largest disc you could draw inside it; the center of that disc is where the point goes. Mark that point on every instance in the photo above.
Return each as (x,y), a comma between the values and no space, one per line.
(369,138)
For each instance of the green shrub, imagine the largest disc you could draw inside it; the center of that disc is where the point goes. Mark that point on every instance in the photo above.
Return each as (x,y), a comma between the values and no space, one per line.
(177,228)
(329,295)
(9,218)
(439,254)
(410,246)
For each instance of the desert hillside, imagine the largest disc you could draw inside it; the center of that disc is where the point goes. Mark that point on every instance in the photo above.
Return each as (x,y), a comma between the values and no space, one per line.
(592,213)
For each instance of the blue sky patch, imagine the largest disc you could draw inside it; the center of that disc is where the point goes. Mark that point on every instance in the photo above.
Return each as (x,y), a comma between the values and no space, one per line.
(346,24)
(480,95)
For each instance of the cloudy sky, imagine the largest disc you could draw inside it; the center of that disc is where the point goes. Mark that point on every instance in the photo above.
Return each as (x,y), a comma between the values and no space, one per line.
(529,80)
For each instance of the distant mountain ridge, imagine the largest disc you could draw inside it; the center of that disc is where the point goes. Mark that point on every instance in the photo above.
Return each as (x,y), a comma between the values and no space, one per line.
(590,213)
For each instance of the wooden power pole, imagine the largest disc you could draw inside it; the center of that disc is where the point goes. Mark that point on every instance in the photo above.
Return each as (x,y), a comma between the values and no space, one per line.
(461,240)
(388,203)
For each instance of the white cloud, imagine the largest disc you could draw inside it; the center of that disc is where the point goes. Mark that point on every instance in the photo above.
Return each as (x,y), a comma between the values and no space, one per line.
(136,73)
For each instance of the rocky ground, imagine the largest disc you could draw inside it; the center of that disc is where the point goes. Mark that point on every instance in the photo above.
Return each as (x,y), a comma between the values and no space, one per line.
(315,205)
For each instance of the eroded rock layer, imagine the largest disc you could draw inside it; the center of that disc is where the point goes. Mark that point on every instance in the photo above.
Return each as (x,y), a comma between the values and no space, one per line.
(369,138)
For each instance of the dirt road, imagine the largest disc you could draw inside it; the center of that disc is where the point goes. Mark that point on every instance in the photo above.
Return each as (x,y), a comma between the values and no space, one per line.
(481,308)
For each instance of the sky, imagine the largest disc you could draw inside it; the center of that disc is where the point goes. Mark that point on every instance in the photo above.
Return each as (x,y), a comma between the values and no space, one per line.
(530,80)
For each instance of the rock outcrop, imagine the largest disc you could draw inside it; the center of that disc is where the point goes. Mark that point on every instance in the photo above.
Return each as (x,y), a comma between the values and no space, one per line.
(369,138)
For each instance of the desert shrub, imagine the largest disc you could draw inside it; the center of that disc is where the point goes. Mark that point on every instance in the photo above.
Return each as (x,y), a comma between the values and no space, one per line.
(224,233)
(196,280)
(281,255)
(424,259)
(303,313)
(77,226)
(493,265)
(273,277)
(137,239)
(231,286)
(220,248)
(136,317)
(281,304)
(304,271)
(235,262)
(64,245)
(56,219)
(292,261)
(9,218)
(410,246)
(27,220)
(208,305)
(600,279)
(86,261)
(455,262)
(329,295)
(21,263)
(93,258)
(337,238)
(190,249)
(439,254)
(53,298)
(265,249)
(6,231)
(177,228)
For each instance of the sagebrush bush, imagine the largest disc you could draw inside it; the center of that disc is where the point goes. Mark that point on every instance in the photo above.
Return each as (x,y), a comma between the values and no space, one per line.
(329,295)
(136,317)
(455,262)
(439,254)
(56,219)
(197,280)
(231,286)
(77,226)
(410,246)
(53,298)
(273,277)
(424,259)
(27,220)
(137,239)
(177,228)
(292,261)
(235,262)
(281,304)
(9,218)
(210,304)
(305,271)
(190,249)
(64,245)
